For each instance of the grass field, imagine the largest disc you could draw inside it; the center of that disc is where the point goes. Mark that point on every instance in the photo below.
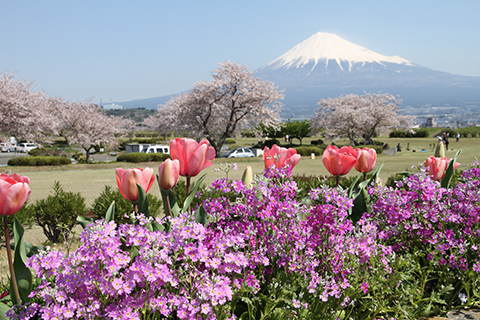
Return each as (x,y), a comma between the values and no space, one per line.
(90,180)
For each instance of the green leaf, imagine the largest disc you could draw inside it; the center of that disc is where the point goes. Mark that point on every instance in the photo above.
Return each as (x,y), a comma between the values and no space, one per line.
(201,216)
(143,206)
(3,309)
(359,205)
(84,221)
(445,183)
(110,215)
(354,183)
(192,193)
(22,273)
(376,173)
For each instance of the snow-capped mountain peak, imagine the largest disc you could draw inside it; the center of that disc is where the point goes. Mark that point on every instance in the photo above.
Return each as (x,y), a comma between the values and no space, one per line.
(324,46)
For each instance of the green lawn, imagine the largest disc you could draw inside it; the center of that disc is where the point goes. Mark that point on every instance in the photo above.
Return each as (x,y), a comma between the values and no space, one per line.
(90,180)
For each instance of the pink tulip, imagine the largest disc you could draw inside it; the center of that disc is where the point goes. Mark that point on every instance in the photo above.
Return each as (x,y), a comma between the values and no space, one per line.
(192,156)
(437,166)
(366,158)
(127,181)
(168,173)
(14,191)
(339,161)
(280,157)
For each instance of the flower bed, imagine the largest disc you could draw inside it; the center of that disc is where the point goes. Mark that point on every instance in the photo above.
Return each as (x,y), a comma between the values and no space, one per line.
(255,252)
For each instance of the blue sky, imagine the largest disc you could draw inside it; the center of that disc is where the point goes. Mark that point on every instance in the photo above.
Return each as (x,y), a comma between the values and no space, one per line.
(114,50)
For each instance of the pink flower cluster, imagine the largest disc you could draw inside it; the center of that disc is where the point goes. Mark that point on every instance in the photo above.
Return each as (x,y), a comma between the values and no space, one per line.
(260,243)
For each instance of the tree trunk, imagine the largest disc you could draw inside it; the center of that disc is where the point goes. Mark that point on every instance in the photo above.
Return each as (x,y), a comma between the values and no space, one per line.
(87,154)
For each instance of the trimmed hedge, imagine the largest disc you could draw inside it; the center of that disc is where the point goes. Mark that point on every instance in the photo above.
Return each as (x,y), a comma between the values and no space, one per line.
(307,151)
(316,142)
(39,161)
(136,157)
(418,133)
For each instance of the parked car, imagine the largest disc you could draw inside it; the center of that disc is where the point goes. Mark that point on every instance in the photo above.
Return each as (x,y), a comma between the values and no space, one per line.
(240,153)
(156,149)
(25,147)
(8,147)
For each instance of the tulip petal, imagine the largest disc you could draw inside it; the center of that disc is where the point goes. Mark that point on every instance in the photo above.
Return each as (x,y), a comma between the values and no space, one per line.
(168,174)
(268,158)
(14,198)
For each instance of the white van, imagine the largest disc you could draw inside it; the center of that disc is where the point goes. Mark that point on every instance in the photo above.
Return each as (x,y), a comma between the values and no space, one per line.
(25,147)
(156,149)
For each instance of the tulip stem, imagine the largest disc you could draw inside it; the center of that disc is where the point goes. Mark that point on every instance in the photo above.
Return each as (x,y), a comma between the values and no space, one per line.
(188,188)
(10,260)
(337,180)
(364,176)
(135,208)
(168,205)
(188,185)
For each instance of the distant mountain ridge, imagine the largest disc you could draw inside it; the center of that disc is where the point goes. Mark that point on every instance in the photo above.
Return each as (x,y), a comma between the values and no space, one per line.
(327,66)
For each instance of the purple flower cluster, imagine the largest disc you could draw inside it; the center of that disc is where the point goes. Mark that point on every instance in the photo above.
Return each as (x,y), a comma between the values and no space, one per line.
(260,244)
(120,270)
(445,223)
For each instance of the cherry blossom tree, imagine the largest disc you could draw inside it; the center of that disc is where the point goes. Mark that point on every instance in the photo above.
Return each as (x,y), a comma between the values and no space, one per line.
(24,113)
(218,109)
(128,127)
(163,122)
(359,116)
(86,124)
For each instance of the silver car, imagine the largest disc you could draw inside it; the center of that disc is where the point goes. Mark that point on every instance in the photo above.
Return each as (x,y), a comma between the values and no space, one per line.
(240,153)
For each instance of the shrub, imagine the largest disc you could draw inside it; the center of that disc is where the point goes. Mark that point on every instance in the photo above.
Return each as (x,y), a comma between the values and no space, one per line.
(418,133)
(146,141)
(80,157)
(122,206)
(39,161)
(159,157)
(47,152)
(316,142)
(57,214)
(136,157)
(230,141)
(267,143)
(306,151)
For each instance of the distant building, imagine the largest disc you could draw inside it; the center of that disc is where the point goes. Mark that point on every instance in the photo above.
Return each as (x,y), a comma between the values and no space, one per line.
(429,123)
(112,106)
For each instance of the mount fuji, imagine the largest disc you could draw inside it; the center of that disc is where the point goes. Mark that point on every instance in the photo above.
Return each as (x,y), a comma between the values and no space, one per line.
(327,66)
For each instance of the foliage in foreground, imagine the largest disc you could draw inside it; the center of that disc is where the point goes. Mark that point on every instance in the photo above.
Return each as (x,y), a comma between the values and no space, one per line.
(123,207)
(266,255)
(57,214)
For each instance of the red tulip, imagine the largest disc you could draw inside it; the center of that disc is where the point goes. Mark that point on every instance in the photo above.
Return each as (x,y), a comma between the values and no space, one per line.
(437,166)
(192,156)
(339,161)
(14,191)
(280,157)
(366,158)
(168,173)
(127,181)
